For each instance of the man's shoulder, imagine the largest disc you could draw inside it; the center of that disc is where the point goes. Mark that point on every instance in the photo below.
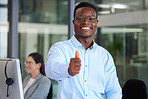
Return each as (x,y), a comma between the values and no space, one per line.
(102,49)
(61,44)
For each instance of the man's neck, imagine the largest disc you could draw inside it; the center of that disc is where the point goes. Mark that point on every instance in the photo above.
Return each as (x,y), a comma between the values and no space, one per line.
(86,42)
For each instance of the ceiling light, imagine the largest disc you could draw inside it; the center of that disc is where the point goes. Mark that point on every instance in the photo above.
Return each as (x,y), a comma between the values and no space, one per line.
(113,5)
(119,6)
(104,12)
(104,5)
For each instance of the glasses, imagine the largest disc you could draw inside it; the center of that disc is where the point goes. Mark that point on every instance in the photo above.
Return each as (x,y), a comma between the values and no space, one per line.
(81,18)
(29,63)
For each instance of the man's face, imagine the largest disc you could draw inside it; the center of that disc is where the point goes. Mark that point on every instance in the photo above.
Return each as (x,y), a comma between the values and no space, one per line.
(85,22)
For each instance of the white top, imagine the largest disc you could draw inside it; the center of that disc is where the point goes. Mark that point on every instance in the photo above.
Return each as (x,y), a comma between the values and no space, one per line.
(28,84)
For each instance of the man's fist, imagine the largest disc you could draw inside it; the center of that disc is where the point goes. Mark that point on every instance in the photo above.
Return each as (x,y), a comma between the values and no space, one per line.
(74,65)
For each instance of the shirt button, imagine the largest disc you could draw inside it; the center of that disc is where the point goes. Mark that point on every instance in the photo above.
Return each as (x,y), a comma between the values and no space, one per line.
(86,95)
(85,81)
(85,65)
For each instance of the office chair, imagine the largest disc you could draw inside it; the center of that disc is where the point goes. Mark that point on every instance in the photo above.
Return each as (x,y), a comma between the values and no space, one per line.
(134,89)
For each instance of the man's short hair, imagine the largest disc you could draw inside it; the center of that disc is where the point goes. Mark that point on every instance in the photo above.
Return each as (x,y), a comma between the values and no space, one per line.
(85,4)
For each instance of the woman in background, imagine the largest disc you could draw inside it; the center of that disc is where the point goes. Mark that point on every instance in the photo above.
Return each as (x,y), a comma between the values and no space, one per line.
(36,86)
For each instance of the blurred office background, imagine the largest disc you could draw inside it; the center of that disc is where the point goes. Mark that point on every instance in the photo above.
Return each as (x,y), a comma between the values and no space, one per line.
(34,25)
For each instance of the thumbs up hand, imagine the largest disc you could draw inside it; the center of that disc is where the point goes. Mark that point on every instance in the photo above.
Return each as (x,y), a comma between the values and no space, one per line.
(77,54)
(74,65)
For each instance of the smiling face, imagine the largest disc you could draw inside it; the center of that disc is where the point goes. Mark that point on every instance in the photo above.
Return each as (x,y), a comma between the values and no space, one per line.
(31,66)
(85,22)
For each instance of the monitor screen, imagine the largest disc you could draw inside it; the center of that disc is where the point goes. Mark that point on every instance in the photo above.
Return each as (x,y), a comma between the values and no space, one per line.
(10,71)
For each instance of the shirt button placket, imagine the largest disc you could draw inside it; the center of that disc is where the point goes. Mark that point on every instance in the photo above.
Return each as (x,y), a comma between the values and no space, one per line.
(86,73)
(86,95)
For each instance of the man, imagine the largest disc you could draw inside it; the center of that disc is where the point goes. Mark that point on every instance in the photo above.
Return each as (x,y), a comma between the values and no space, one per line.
(83,69)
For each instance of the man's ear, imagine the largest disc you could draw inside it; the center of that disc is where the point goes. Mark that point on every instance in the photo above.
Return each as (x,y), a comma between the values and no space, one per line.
(97,21)
(73,21)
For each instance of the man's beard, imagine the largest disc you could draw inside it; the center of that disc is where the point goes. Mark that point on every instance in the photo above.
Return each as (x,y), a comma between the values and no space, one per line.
(85,36)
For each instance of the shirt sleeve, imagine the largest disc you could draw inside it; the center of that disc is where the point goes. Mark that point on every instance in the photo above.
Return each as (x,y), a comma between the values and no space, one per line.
(112,86)
(56,66)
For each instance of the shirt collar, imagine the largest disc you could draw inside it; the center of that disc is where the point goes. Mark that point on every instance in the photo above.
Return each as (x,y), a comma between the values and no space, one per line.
(76,43)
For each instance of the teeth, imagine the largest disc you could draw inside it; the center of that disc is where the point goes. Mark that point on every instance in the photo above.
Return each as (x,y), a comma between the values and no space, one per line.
(85,28)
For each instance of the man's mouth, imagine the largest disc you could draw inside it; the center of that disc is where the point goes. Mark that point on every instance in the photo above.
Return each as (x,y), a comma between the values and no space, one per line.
(85,27)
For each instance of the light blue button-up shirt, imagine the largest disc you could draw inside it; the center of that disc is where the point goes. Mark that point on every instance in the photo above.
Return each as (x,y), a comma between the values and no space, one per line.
(97,77)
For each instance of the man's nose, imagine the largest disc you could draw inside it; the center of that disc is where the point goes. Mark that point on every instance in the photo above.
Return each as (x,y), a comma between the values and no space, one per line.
(86,19)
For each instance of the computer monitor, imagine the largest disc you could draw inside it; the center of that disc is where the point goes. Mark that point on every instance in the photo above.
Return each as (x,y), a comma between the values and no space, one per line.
(10,79)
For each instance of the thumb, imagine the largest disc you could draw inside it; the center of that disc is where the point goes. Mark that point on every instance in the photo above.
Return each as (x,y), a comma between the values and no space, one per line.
(77,54)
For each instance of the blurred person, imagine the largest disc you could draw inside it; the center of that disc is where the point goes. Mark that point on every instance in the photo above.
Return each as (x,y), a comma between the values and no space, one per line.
(36,86)
(82,68)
